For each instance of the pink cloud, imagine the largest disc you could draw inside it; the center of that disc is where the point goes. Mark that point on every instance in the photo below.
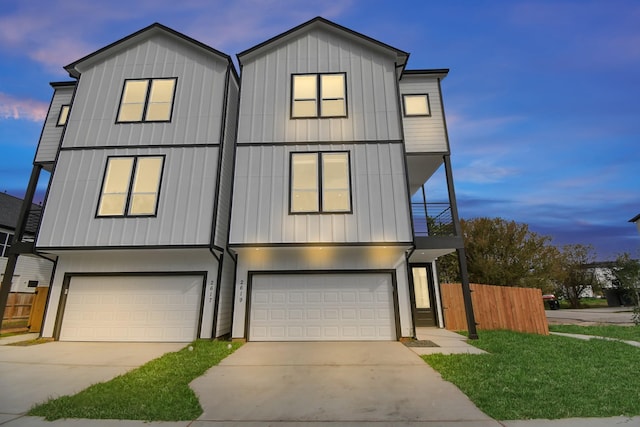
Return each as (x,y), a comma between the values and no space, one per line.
(22,109)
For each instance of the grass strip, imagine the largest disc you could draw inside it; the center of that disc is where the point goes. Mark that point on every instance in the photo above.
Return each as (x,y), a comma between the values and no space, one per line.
(528,376)
(629,333)
(156,391)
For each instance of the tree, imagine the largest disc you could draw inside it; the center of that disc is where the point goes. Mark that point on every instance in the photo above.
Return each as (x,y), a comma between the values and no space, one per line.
(626,275)
(574,277)
(504,253)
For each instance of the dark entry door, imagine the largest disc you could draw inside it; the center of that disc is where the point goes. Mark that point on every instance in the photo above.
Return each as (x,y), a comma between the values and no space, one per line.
(423,291)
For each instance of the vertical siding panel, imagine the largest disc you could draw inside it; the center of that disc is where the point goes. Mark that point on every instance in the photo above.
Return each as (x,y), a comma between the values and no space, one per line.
(184,207)
(279,194)
(200,79)
(424,134)
(361,197)
(226,169)
(52,134)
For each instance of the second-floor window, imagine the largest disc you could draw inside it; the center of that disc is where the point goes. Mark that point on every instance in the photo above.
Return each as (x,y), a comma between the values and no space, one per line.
(416,104)
(320,183)
(131,186)
(5,243)
(63,116)
(318,95)
(147,100)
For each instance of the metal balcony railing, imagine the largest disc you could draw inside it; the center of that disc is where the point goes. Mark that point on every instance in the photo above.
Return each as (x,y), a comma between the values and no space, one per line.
(432,219)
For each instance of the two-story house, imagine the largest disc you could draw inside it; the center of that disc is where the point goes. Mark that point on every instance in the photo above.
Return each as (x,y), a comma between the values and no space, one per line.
(334,136)
(187,202)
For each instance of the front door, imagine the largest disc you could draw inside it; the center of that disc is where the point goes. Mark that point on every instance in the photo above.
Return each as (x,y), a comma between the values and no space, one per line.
(422,288)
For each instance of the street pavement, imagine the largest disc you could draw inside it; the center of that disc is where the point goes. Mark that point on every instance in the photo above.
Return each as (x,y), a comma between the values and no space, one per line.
(591,316)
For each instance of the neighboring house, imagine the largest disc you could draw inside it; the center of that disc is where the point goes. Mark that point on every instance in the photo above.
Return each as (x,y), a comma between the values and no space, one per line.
(137,211)
(636,220)
(31,271)
(182,207)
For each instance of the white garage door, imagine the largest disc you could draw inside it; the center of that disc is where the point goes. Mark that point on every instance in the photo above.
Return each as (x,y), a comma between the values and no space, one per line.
(321,307)
(132,308)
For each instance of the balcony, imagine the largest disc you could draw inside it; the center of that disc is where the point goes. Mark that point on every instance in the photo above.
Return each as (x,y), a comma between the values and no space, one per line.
(434,231)
(432,219)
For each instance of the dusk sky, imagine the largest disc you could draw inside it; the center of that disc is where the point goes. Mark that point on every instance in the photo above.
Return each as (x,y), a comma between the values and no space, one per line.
(542,100)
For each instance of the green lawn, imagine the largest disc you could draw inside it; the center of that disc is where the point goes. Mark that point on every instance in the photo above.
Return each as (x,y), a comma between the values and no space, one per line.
(631,333)
(156,391)
(586,303)
(528,376)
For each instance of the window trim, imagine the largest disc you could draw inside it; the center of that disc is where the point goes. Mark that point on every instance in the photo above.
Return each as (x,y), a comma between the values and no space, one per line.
(6,245)
(404,105)
(66,119)
(318,97)
(146,100)
(319,195)
(132,175)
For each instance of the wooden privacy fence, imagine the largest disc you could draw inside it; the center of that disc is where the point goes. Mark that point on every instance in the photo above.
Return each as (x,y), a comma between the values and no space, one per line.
(18,306)
(27,307)
(495,307)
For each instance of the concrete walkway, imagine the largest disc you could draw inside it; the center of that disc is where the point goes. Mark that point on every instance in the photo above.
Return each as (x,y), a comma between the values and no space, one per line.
(447,342)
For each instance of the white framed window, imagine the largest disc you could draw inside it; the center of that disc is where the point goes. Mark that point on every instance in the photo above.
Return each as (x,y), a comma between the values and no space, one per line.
(318,95)
(147,100)
(5,243)
(63,116)
(131,186)
(416,104)
(320,183)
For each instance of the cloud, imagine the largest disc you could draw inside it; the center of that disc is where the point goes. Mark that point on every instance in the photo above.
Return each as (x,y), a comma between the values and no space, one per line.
(484,171)
(22,109)
(57,32)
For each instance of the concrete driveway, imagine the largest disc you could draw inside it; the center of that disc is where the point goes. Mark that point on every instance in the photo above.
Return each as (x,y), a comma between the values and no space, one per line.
(331,382)
(30,375)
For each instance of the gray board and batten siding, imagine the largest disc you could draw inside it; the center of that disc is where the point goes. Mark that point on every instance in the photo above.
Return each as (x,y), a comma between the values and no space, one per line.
(424,134)
(185,201)
(197,107)
(371,79)
(189,143)
(52,133)
(226,166)
(378,191)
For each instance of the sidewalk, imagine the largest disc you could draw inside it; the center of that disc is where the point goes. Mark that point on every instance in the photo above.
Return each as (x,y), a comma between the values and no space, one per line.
(595,337)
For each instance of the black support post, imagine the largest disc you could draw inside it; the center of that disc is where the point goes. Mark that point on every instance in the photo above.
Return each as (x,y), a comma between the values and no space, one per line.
(462,260)
(12,260)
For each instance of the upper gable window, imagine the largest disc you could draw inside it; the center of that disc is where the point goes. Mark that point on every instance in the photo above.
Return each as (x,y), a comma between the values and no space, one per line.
(63,116)
(131,186)
(318,95)
(416,105)
(147,100)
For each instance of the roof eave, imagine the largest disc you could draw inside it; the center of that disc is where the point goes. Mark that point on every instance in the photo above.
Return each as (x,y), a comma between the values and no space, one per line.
(74,71)
(401,60)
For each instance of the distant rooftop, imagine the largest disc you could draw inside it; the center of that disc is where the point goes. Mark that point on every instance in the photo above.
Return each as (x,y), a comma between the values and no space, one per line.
(10,211)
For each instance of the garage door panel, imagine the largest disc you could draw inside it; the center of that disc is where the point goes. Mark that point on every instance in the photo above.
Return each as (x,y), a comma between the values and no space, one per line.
(132,308)
(321,307)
